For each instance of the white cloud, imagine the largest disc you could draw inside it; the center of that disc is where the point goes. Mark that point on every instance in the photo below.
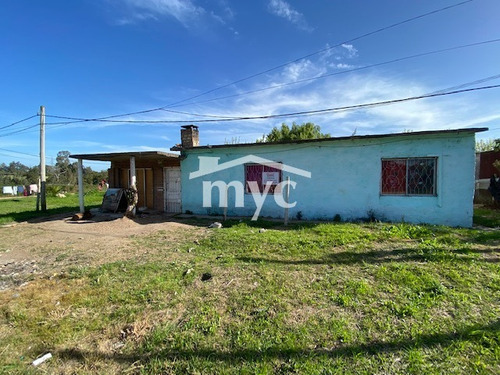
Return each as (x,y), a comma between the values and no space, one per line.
(282,9)
(335,57)
(183,11)
(351,50)
(301,70)
(186,12)
(343,66)
(348,89)
(352,89)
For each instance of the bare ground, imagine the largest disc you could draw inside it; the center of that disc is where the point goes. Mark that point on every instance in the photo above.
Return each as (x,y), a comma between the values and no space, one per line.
(40,249)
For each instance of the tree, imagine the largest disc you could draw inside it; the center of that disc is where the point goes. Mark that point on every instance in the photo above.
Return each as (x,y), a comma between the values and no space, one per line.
(91,177)
(65,172)
(296,132)
(16,173)
(483,145)
(33,174)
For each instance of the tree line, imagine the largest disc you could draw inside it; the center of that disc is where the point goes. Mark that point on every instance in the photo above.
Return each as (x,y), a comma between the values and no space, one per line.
(63,173)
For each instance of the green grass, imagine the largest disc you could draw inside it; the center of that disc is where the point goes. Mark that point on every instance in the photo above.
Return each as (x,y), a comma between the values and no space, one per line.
(487,217)
(24,208)
(307,299)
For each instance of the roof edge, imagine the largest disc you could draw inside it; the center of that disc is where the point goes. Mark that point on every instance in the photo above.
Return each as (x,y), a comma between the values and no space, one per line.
(355,137)
(112,155)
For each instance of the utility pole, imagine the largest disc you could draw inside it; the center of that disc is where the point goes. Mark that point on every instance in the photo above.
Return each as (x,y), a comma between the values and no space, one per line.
(42,159)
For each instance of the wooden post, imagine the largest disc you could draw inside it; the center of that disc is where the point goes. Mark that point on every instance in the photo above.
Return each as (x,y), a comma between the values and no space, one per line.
(42,160)
(287,199)
(80,186)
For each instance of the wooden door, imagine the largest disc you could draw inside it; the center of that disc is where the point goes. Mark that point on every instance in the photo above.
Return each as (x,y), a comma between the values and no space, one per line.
(144,184)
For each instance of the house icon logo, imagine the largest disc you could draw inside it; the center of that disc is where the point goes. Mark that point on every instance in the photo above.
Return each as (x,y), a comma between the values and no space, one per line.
(267,177)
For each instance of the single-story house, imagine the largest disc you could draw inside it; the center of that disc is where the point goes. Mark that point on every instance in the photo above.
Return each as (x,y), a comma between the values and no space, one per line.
(417,177)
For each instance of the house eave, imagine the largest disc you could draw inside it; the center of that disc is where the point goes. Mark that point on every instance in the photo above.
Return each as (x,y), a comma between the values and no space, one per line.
(330,139)
(125,156)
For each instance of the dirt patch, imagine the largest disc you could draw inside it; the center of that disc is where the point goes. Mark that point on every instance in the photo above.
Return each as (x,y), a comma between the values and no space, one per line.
(43,248)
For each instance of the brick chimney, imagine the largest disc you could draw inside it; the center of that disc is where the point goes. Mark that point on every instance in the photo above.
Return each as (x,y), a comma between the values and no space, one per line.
(190,136)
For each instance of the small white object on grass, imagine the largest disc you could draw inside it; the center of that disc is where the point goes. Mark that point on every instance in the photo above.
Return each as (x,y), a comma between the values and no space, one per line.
(215,225)
(42,359)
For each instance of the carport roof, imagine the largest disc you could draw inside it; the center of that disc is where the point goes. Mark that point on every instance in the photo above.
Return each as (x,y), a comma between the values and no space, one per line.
(125,156)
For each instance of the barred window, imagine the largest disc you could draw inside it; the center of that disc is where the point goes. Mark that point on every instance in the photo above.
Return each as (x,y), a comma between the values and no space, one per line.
(262,175)
(409,176)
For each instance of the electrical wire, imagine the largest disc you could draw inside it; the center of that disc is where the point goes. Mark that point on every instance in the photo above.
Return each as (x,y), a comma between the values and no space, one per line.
(310,79)
(19,131)
(340,73)
(322,51)
(19,157)
(411,19)
(19,152)
(17,122)
(304,113)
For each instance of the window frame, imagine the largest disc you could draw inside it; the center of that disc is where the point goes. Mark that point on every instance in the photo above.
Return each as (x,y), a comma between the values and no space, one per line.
(407,164)
(278,166)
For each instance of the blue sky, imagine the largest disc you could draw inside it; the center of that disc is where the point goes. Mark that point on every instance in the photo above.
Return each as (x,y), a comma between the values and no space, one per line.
(92,59)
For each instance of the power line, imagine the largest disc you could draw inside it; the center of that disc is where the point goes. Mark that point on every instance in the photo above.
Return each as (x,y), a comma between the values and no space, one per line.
(18,157)
(469,84)
(341,72)
(17,122)
(303,113)
(77,119)
(411,19)
(322,51)
(18,152)
(19,131)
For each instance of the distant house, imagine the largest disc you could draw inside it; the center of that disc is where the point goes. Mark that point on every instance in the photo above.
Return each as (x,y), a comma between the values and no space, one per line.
(417,177)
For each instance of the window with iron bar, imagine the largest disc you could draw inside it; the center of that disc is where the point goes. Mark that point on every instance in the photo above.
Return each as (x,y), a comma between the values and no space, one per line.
(409,176)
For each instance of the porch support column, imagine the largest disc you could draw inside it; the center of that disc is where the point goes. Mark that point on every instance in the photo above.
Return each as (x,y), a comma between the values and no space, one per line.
(80,186)
(133,198)
(133,176)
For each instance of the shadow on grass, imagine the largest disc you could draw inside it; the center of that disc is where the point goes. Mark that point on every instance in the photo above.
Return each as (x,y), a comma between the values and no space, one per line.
(384,256)
(476,333)
(50,214)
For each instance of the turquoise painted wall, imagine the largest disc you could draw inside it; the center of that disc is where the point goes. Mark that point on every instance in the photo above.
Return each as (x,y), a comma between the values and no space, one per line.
(346,177)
